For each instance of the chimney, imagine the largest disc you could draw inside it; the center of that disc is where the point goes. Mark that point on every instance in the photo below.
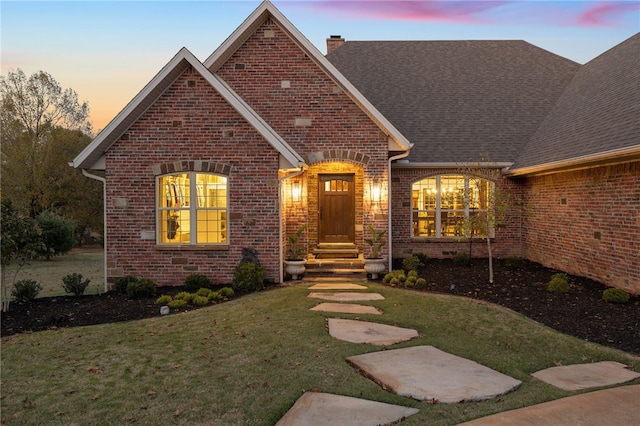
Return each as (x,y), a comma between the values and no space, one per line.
(333,42)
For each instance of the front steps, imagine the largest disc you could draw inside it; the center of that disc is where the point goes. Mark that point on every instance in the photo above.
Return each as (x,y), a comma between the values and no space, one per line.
(334,265)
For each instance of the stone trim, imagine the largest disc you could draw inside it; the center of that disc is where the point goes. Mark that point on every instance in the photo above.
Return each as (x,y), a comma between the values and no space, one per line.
(191,166)
(337,155)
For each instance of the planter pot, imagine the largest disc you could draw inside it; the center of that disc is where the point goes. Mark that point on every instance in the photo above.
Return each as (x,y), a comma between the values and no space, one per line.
(295,268)
(374,267)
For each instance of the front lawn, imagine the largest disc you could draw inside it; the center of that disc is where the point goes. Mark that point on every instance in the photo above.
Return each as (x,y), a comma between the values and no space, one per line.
(246,361)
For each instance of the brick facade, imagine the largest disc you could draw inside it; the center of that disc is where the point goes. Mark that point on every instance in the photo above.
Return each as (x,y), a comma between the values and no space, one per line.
(191,125)
(507,241)
(587,223)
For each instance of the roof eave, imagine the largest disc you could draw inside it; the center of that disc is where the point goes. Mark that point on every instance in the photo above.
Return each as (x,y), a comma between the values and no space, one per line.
(607,158)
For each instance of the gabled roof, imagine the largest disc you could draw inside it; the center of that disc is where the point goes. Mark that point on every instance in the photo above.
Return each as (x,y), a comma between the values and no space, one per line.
(595,121)
(89,158)
(458,101)
(268,10)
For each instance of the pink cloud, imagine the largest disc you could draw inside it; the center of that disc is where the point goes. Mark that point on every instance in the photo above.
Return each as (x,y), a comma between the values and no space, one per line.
(552,12)
(606,13)
(429,10)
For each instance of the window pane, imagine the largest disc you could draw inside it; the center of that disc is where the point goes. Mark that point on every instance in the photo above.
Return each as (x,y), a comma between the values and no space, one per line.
(174,226)
(212,226)
(452,192)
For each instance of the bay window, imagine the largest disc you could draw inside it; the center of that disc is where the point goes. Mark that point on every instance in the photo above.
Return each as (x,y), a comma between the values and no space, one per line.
(192,209)
(451,206)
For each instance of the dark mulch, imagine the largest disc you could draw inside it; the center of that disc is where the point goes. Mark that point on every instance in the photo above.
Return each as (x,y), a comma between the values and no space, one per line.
(581,312)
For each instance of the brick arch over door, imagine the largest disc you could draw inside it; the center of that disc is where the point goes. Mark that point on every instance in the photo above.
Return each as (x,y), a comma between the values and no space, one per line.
(340,155)
(204,166)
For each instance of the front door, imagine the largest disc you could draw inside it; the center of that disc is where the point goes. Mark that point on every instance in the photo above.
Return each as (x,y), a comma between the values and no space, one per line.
(336,195)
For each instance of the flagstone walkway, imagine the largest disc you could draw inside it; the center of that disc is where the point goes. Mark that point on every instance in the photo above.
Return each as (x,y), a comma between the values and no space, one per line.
(426,373)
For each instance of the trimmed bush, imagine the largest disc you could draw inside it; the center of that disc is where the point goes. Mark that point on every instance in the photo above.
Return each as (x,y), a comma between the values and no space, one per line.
(140,289)
(411,263)
(185,295)
(226,292)
(421,283)
(122,283)
(163,300)
(204,292)
(200,300)
(194,282)
(215,296)
(248,277)
(25,290)
(177,304)
(74,284)
(558,284)
(412,273)
(615,295)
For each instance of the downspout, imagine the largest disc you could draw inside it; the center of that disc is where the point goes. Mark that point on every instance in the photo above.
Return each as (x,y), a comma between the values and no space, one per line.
(104,220)
(280,207)
(390,236)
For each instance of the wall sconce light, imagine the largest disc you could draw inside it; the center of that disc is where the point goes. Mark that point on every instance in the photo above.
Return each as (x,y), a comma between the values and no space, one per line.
(295,192)
(375,193)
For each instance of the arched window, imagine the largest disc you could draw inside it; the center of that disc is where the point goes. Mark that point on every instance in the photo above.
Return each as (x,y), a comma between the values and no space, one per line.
(192,209)
(451,206)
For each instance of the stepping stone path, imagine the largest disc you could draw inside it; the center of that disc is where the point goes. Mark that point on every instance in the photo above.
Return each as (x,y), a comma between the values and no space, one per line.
(325,409)
(369,332)
(424,373)
(584,376)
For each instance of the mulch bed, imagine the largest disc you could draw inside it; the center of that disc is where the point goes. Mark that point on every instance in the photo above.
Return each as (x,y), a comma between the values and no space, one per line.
(581,312)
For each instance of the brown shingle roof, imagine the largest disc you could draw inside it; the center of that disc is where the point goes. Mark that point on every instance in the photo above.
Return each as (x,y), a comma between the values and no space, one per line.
(458,101)
(598,112)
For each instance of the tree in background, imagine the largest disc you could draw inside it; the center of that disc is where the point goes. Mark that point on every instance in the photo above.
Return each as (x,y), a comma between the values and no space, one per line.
(44,128)
(32,109)
(21,241)
(57,234)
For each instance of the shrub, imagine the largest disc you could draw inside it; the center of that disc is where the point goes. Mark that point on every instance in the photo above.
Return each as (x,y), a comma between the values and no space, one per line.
(122,283)
(412,273)
(615,295)
(558,284)
(387,278)
(177,303)
(74,284)
(200,300)
(422,258)
(462,259)
(185,295)
(394,281)
(248,277)
(140,289)
(421,283)
(410,282)
(57,234)
(411,263)
(163,300)
(561,276)
(215,296)
(226,292)
(25,290)
(514,262)
(194,282)
(203,292)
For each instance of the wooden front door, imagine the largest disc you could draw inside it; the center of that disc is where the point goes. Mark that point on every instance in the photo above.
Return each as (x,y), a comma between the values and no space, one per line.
(336,195)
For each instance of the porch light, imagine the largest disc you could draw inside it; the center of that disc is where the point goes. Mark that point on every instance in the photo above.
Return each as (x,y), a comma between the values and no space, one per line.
(295,192)
(375,193)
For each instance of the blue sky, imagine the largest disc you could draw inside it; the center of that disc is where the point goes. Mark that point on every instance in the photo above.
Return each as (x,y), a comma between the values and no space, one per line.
(108,50)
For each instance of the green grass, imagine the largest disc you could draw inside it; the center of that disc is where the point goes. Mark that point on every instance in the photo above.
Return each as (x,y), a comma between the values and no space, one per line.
(88,262)
(246,362)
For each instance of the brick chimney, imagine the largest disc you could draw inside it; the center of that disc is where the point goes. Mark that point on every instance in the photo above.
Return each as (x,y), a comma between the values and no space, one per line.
(333,42)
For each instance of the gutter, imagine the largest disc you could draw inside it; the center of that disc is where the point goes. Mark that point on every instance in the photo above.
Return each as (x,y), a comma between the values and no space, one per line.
(280,197)
(389,236)
(104,219)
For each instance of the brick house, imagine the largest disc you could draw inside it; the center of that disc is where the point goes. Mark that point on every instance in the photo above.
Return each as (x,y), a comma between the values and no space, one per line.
(268,134)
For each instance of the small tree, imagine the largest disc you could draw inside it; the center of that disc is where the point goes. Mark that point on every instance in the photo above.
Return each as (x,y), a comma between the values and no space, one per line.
(57,234)
(20,238)
(485,220)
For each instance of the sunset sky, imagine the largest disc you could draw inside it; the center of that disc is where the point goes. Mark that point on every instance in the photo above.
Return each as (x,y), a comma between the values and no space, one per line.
(108,50)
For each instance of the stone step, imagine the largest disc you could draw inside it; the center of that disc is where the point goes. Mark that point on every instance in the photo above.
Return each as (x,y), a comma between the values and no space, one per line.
(337,266)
